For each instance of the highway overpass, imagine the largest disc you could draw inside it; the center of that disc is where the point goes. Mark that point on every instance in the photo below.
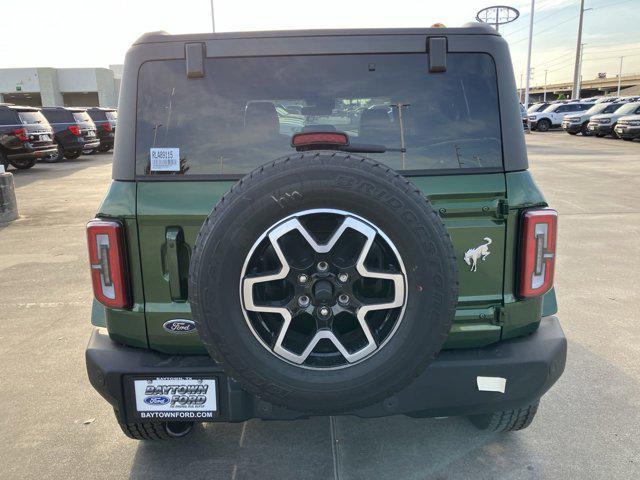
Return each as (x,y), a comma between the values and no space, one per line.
(588,88)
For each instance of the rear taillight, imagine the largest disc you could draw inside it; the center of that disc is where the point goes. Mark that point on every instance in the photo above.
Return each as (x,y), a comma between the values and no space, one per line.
(107,256)
(106,127)
(21,133)
(74,129)
(538,254)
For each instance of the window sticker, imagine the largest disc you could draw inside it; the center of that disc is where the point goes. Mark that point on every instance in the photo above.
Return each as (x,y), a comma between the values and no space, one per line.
(164,159)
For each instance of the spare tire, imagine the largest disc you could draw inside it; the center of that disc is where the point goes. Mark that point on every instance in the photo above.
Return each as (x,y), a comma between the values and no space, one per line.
(323,282)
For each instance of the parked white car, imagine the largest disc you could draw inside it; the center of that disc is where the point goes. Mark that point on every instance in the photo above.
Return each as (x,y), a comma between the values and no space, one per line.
(628,127)
(552,116)
(578,123)
(605,124)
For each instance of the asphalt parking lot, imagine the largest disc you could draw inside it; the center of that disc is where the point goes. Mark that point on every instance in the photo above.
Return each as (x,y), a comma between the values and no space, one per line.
(54,425)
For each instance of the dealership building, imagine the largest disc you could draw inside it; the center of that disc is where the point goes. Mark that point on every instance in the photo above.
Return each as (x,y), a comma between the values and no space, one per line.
(70,87)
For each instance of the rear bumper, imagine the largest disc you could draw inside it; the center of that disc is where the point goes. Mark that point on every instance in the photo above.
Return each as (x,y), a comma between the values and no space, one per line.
(79,144)
(449,386)
(33,152)
(106,138)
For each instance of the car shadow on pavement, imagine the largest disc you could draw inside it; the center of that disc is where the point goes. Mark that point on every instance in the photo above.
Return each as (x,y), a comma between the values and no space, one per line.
(47,171)
(387,448)
(567,440)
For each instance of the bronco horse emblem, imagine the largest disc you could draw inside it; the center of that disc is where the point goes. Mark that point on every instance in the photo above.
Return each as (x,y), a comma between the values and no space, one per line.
(481,252)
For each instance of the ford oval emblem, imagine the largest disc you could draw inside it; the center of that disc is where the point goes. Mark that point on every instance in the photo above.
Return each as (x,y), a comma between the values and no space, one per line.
(156,400)
(179,326)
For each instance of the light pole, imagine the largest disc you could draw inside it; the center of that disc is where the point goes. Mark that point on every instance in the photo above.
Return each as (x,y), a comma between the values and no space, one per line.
(619,76)
(213,21)
(544,97)
(579,84)
(575,92)
(521,89)
(526,93)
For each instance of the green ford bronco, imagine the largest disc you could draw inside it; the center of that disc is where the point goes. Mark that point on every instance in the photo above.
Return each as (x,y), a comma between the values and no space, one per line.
(320,223)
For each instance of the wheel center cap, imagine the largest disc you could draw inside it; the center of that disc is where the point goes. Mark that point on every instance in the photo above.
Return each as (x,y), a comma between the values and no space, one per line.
(323,291)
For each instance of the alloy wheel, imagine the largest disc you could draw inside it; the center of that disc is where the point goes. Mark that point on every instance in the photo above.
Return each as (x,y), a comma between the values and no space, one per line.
(323,289)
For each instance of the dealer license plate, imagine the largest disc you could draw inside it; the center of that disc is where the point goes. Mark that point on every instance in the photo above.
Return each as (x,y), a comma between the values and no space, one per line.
(45,138)
(176,398)
(592,127)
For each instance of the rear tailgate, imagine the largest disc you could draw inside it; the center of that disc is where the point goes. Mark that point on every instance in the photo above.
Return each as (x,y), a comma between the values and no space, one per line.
(170,215)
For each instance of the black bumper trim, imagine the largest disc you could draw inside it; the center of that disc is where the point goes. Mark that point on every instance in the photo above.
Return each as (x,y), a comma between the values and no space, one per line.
(35,153)
(530,365)
(572,127)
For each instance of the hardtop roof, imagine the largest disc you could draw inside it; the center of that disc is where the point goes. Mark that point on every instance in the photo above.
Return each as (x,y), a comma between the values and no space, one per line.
(21,108)
(472,28)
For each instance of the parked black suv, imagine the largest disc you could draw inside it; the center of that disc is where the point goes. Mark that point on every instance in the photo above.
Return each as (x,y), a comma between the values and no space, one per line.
(74,131)
(105,120)
(25,135)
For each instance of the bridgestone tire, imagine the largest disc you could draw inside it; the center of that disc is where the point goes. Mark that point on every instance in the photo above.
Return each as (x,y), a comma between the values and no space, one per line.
(323,180)
(156,430)
(23,164)
(506,420)
(585,129)
(145,430)
(104,148)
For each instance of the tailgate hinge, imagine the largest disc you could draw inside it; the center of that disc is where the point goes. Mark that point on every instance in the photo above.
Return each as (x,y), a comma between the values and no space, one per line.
(503,208)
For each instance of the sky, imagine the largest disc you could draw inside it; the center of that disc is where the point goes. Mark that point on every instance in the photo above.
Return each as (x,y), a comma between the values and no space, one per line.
(63,33)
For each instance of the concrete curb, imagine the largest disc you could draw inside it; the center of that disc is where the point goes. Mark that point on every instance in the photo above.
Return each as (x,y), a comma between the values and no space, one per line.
(8,202)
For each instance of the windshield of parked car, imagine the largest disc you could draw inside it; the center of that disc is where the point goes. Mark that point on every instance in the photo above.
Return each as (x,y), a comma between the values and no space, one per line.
(111,115)
(613,107)
(30,118)
(553,107)
(600,108)
(535,107)
(245,110)
(628,107)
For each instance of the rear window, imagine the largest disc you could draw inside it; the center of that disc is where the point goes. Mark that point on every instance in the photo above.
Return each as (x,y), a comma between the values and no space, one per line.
(97,115)
(245,110)
(81,117)
(58,116)
(30,118)
(8,117)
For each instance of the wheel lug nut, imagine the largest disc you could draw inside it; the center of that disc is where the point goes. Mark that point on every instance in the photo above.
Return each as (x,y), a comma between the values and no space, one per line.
(343,299)
(323,266)
(324,311)
(303,301)
(343,277)
(303,278)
